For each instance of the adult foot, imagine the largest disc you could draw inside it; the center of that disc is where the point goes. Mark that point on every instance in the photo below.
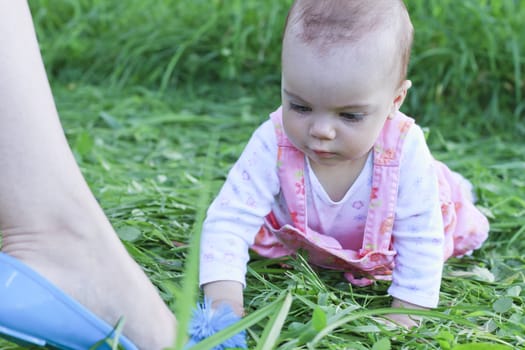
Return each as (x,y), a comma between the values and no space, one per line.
(48,217)
(89,263)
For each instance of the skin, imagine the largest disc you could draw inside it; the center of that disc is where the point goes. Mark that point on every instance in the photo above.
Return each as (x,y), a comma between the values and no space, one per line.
(335,103)
(49,218)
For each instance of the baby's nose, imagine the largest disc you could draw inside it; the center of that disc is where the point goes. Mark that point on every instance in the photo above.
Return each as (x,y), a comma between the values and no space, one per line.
(322,128)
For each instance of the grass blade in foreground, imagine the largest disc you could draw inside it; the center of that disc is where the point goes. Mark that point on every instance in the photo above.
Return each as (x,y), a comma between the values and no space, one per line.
(273,329)
(190,281)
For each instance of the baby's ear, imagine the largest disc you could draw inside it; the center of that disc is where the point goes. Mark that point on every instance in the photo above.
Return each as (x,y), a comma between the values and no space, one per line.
(401,93)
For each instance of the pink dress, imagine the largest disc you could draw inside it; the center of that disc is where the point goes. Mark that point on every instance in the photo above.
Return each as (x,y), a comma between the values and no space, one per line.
(466,228)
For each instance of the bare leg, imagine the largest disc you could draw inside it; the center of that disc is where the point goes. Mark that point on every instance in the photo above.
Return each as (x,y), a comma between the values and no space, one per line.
(48,216)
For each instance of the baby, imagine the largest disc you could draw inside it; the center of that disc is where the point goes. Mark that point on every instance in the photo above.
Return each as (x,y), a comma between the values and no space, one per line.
(338,170)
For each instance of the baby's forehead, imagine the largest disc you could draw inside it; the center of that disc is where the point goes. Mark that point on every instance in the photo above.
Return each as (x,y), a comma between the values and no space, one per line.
(331,25)
(374,52)
(376,41)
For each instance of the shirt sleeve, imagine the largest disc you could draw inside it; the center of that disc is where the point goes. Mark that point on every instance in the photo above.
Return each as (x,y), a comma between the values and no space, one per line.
(237,213)
(418,228)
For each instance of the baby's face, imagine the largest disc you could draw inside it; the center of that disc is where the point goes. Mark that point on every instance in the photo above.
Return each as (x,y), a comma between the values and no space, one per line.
(335,103)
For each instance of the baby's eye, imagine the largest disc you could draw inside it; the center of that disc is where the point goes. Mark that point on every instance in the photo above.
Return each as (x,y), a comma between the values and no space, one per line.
(352,117)
(299,108)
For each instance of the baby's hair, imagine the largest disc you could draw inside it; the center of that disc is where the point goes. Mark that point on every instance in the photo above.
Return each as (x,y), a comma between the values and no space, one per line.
(328,22)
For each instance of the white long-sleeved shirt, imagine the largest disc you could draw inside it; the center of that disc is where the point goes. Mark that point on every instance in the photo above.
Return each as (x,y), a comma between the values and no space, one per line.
(252,190)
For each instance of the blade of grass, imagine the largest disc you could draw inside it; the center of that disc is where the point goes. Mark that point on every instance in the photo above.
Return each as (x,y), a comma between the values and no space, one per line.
(273,329)
(190,280)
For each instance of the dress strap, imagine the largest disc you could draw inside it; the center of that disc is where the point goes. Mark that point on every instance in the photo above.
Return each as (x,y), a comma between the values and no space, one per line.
(291,176)
(385,183)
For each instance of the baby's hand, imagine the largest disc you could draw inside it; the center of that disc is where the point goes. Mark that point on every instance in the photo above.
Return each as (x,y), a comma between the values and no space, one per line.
(225,292)
(208,320)
(222,307)
(406,321)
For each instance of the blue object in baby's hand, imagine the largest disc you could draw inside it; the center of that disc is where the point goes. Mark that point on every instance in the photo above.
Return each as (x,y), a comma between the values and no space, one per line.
(206,322)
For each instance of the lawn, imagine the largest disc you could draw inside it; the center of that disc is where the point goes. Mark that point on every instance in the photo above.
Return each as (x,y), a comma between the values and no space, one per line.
(157,100)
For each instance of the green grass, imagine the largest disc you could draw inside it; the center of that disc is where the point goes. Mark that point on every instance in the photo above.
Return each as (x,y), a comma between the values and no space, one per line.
(467,63)
(141,87)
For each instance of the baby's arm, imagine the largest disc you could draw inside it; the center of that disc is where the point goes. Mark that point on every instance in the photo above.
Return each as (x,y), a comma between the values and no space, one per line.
(235,217)
(418,232)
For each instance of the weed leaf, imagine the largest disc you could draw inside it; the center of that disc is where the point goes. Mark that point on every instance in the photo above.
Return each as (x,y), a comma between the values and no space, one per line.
(502,305)
(382,344)
(318,319)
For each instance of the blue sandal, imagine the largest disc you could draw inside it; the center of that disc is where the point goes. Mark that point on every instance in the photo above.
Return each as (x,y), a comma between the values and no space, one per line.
(35,312)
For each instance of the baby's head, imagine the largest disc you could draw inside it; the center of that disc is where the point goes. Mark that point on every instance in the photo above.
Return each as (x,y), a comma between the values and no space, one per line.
(344,64)
(332,25)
